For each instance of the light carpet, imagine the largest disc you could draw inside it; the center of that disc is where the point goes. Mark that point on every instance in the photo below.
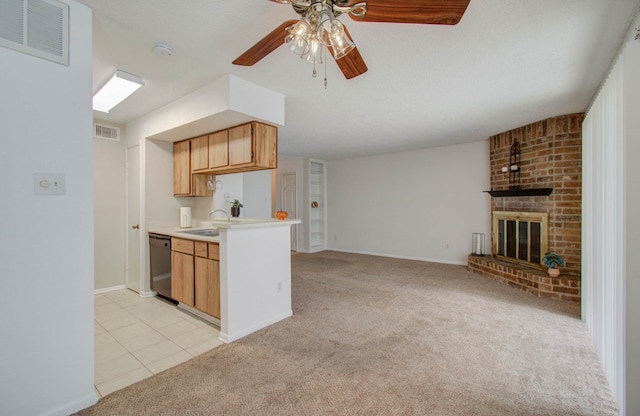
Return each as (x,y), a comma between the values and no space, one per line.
(379,336)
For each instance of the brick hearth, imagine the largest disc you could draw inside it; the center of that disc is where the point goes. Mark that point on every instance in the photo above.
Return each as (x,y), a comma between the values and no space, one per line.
(564,287)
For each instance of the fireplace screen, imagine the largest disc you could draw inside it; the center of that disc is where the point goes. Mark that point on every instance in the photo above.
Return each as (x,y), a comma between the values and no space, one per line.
(520,236)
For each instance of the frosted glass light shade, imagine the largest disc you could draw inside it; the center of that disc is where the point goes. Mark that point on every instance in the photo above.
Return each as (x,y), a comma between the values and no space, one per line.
(119,87)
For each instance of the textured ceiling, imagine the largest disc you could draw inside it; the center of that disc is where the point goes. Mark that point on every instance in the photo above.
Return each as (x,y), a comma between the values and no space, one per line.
(506,64)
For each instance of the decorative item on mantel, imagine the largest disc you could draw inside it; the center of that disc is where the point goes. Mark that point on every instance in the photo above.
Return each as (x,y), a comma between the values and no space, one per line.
(235,208)
(552,261)
(281,215)
(514,178)
(477,244)
(514,166)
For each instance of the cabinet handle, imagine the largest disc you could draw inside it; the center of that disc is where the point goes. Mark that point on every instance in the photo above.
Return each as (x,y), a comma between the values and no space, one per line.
(314,204)
(136,227)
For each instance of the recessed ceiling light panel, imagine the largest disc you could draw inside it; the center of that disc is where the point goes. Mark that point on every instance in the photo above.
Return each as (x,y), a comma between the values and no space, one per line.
(119,87)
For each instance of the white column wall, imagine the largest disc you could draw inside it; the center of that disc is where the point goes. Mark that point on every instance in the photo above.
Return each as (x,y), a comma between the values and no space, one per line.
(46,242)
(254,293)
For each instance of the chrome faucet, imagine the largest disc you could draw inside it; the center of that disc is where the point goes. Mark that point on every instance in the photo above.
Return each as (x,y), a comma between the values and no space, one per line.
(219,210)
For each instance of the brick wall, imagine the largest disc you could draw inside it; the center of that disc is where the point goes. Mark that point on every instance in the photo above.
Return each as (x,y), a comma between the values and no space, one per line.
(551,154)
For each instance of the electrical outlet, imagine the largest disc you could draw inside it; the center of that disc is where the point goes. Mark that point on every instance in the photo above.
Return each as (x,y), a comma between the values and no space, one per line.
(279,287)
(227,197)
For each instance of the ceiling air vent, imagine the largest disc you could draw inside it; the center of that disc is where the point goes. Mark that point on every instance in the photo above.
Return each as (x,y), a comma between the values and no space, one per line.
(100,131)
(36,27)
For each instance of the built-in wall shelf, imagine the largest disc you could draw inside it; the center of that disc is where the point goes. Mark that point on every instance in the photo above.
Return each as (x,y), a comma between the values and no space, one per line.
(521,192)
(317,205)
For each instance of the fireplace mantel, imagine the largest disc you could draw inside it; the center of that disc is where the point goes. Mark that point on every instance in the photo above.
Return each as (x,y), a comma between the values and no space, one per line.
(521,192)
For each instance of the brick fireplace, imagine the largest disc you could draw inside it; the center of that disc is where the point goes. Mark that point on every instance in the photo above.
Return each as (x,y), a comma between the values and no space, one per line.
(550,157)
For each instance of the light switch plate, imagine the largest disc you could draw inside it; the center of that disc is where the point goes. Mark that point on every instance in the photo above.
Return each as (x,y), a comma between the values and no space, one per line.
(49,184)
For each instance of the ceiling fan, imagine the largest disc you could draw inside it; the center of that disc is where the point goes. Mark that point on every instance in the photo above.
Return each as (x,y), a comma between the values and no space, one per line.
(320,27)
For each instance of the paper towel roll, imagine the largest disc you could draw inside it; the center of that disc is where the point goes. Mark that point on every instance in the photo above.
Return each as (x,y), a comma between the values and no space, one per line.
(185,217)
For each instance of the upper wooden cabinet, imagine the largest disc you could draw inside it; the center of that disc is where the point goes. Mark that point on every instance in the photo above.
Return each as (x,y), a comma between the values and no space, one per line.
(247,147)
(200,153)
(219,150)
(185,182)
(243,148)
(241,145)
(181,168)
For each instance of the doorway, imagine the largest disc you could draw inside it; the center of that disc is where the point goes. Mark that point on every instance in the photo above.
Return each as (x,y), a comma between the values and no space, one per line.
(288,201)
(133,219)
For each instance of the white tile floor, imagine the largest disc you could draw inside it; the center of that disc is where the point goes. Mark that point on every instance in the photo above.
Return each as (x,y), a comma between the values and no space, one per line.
(136,338)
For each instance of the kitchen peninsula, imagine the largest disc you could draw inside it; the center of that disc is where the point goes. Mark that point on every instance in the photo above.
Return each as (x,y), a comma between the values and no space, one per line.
(255,270)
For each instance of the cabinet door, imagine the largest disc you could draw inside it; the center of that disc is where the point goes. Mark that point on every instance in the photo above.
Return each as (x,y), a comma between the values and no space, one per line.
(181,168)
(207,286)
(265,142)
(200,153)
(240,145)
(218,150)
(182,278)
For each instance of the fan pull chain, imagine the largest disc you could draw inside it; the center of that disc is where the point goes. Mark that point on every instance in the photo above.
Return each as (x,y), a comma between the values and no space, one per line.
(325,69)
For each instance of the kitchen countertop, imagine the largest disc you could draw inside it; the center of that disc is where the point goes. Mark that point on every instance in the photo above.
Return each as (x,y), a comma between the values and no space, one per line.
(220,225)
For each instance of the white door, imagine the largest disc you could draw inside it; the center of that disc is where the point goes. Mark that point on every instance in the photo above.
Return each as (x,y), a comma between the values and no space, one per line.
(133,219)
(288,199)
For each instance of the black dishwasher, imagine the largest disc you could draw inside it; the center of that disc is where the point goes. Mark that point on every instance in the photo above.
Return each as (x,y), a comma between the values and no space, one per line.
(160,264)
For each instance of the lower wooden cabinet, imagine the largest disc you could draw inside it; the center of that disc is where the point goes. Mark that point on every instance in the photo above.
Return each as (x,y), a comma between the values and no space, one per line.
(195,274)
(207,286)
(182,278)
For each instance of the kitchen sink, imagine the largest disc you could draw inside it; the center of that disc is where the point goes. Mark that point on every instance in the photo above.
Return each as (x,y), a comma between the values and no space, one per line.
(209,232)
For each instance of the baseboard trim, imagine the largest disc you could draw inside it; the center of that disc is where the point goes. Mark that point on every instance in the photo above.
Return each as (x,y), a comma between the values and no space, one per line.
(393,256)
(74,406)
(108,289)
(149,294)
(228,338)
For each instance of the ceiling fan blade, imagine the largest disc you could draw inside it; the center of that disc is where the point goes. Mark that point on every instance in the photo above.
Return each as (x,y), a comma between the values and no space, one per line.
(352,63)
(265,46)
(436,12)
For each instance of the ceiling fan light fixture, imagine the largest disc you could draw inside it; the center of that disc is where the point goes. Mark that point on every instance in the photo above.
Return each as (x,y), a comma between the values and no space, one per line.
(335,38)
(298,38)
(319,27)
(315,50)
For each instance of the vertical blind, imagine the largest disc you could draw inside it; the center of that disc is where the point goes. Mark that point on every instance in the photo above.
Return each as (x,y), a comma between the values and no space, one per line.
(604,229)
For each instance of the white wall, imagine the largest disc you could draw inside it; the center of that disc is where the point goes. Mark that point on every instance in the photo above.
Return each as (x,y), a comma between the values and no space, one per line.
(46,242)
(160,204)
(109,211)
(423,204)
(256,194)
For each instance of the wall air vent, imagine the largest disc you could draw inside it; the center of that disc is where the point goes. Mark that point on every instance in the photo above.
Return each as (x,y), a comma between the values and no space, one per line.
(36,27)
(100,131)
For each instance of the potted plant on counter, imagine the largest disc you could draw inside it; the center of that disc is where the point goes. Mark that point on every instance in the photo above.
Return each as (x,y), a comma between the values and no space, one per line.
(235,208)
(552,261)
